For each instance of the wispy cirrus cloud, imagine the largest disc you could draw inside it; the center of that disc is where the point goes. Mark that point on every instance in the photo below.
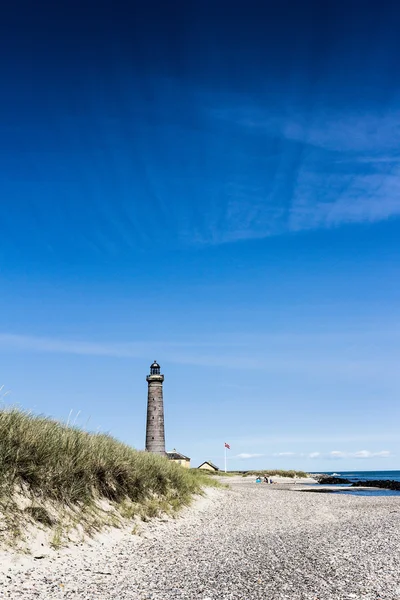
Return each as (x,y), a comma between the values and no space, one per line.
(372,133)
(62,345)
(338,454)
(323,355)
(317,170)
(350,198)
(360,454)
(313,439)
(334,454)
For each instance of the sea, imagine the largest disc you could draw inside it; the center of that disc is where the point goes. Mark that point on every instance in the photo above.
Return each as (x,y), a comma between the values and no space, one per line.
(367,476)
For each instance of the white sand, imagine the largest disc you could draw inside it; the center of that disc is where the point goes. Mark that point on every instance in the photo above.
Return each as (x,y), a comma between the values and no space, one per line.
(253,542)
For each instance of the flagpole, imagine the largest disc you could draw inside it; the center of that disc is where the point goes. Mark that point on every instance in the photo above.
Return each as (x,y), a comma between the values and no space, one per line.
(225,456)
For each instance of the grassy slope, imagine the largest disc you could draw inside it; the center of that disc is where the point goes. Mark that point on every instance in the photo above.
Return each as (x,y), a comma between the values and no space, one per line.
(263,472)
(277,473)
(72,471)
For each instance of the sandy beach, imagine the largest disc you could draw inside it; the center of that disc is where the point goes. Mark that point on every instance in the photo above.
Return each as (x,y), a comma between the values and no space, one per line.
(249,542)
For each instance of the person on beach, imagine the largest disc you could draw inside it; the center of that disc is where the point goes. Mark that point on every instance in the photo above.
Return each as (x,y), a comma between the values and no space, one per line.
(258,480)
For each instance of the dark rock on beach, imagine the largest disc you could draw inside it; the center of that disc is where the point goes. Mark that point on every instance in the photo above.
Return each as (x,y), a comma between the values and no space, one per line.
(327,480)
(387,484)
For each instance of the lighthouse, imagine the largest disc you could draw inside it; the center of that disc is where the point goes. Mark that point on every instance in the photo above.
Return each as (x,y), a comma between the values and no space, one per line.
(155,434)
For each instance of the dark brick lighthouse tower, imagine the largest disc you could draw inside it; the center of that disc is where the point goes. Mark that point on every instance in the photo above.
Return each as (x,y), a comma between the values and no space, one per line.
(155,435)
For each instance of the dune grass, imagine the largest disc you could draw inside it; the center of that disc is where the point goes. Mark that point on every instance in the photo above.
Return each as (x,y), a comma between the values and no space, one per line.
(263,472)
(277,473)
(52,462)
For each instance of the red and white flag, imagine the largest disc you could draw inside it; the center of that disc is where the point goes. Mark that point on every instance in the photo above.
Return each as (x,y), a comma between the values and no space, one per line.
(227,446)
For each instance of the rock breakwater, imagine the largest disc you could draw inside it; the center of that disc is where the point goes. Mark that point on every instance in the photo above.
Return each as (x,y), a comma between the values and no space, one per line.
(387,484)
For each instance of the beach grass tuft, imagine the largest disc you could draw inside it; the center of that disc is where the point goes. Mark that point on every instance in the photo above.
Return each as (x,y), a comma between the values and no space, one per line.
(49,462)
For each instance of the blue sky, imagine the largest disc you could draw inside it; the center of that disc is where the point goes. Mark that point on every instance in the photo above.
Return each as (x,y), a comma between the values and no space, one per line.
(216,186)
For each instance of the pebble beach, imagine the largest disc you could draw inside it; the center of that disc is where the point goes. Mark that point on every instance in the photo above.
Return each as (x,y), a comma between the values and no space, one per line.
(247,542)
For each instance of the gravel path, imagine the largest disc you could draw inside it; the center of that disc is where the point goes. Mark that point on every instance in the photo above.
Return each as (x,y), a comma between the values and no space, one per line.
(251,542)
